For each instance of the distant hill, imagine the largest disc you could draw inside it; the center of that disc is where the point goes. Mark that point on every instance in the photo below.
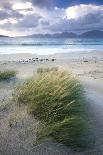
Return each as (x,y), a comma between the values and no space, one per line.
(92,34)
(88,34)
(65,35)
(56,35)
(3,36)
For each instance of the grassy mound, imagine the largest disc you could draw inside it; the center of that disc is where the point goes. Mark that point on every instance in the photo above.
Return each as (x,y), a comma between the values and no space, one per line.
(5,75)
(44,70)
(56,98)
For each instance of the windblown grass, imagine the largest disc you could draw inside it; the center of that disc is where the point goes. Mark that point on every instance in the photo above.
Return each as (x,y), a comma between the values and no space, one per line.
(56,98)
(43,70)
(5,75)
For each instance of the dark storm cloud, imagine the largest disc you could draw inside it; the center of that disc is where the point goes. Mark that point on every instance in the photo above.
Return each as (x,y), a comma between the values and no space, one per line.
(6,4)
(86,22)
(44,23)
(43,3)
(30,21)
(16,14)
(7,11)
(11,14)
(3,14)
(91,19)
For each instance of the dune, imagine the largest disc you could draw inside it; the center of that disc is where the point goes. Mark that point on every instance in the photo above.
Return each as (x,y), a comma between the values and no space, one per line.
(88,67)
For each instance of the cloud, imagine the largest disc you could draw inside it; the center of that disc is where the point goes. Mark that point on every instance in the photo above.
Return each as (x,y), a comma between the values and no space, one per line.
(3,14)
(6,4)
(22,6)
(43,3)
(30,21)
(82,10)
(12,14)
(44,23)
(80,17)
(6,10)
(41,16)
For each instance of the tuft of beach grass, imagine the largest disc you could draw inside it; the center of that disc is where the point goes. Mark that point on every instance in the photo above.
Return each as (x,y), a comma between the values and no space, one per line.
(7,74)
(56,98)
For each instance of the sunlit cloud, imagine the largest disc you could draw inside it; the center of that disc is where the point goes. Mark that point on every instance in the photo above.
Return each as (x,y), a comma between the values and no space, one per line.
(22,6)
(25,12)
(82,10)
(9,20)
(2,22)
(13,21)
(9,33)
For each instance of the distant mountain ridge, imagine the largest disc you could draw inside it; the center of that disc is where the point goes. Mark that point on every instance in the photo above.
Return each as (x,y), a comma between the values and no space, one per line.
(92,34)
(56,35)
(3,36)
(88,34)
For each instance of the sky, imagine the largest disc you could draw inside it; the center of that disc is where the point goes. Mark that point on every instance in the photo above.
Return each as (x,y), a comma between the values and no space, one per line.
(26,17)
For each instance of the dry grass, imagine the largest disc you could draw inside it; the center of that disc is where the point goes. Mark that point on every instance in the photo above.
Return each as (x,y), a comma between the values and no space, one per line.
(5,75)
(57,100)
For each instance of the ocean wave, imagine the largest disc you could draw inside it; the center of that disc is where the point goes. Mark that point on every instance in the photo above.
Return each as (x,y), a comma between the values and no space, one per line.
(46,44)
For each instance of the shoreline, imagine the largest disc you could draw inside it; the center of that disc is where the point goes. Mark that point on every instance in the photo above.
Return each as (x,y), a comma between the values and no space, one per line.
(25,55)
(76,51)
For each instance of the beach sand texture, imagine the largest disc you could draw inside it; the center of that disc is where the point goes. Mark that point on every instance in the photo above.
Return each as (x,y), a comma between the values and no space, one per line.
(88,67)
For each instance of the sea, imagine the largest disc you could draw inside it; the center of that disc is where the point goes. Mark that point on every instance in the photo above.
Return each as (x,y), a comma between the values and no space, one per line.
(45,46)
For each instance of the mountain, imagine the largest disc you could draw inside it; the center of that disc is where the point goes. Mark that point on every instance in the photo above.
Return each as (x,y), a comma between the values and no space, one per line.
(56,35)
(3,36)
(65,35)
(88,34)
(92,34)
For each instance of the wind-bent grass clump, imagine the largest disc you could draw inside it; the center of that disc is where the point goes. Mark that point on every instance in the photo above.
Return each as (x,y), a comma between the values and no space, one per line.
(6,75)
(56,98)
(42,70)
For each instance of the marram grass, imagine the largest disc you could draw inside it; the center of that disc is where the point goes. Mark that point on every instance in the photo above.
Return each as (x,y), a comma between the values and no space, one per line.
(44,70)
(7,74)
(57,100)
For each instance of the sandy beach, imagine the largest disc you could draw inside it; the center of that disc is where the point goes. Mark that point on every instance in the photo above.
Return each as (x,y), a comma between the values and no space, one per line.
(87,66)
(51,77)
